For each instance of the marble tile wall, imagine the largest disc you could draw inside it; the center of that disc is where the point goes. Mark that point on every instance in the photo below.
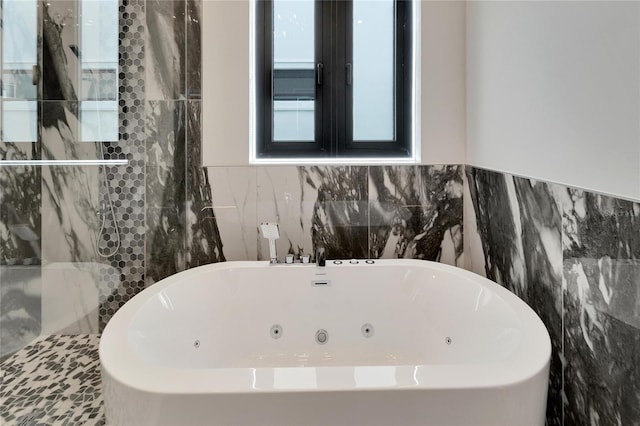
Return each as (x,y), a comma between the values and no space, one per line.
(574,257)
(60,216)
(92,217)
(103,234)
(351,211)
(181,227)
(571,254)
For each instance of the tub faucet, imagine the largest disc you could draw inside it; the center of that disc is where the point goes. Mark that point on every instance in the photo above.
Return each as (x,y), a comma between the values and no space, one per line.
(271,232)
(321,258)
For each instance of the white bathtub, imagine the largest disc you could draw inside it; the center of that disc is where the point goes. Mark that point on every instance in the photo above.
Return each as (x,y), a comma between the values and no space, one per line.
(407,343)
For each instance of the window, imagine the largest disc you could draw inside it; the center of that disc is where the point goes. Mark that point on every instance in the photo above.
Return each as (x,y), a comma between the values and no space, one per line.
(93,61)
(333,78)
(19,60)
(99,70)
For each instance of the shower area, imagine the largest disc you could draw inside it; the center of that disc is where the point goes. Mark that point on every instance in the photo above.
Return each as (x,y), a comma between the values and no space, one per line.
(61,251)
(100,172)
(61,156)
(92,114)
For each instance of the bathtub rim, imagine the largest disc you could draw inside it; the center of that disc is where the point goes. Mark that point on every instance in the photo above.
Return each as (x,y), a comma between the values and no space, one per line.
(124,366)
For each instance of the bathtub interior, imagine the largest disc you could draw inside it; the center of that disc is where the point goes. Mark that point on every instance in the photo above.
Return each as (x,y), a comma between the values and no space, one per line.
(415,315)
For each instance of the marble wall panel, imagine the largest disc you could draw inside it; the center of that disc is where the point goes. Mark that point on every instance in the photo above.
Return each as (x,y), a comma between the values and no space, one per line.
(204,244)
(75,197)
(281,199)
(315,207)
(70,199)
(165,49)
(60,50)
(18,81)
(601,269)
(20,206)
(474,259)
(194,49)
(20,307)
(416,212)
(77,311)
(165,189)
(77,224)
(593,318)
(234,194)
(572,255)
(520,227)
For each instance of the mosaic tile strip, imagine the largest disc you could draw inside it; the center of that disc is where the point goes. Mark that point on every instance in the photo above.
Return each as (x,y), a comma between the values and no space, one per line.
(125,276)
(53,381)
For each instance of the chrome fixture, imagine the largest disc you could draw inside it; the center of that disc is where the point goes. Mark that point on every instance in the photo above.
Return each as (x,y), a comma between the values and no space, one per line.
(321,259)
(276,331)
(367,330)
(271,232)
(105,210)
(322,336)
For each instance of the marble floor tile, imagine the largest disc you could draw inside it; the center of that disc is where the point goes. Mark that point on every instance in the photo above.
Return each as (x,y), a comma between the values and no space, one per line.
(54,380)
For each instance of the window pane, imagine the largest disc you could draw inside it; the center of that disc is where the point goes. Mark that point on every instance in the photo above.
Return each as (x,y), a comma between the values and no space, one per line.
(19,121)
(99,121)
(19,56)
(293,70)
(99,61)
(373,70)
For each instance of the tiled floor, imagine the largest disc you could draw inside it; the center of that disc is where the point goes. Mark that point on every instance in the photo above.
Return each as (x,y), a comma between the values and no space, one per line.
(53,381)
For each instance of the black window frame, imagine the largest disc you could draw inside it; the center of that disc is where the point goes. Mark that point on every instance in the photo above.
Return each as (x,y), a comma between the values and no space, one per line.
(334,94)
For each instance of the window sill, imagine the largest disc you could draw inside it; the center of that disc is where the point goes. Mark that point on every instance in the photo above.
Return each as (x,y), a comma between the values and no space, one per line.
(332,161)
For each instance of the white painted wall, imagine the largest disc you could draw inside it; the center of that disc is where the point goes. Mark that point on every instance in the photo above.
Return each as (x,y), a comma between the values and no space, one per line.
(225,82)
(226,88)
(553,91)
(549,90)
(442,81)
